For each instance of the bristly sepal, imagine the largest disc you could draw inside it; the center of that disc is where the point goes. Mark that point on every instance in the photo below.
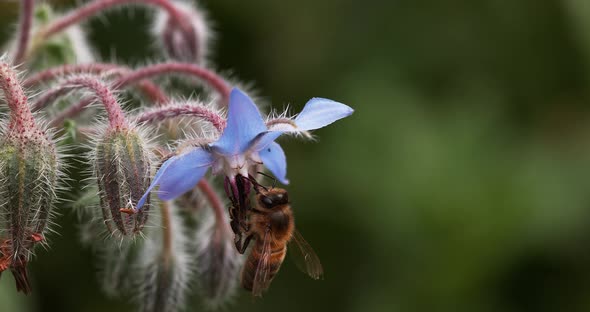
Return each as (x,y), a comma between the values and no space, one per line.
(218,263)
(184,36)
(122,171)
(29,175)
(28,182)
(164,268)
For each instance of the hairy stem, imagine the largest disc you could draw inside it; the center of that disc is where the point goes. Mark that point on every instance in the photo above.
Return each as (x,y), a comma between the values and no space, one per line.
(141,74)
(98,6)
(147,87)
(100,89)
(68,69)
(209,77)
(21,118)
(163,113)
(216,204)
(166,231)
(24,29)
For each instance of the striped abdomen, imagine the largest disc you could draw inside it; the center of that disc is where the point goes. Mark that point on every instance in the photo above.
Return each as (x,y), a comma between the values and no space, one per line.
(277,256)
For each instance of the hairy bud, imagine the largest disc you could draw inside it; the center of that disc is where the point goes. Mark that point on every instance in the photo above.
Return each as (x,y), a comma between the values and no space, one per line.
(115,266)
(122,169)
(165,266)
(28,181)
(218,262)
(184,37)
(29,171)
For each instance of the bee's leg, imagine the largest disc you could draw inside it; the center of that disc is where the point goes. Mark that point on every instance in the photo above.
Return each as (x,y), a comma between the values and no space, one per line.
(238,240)
(245,226)
(246,243)
(235,227)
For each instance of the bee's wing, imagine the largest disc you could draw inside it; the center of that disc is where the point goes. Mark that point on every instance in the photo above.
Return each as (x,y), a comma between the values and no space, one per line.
(262,277)
(304,257)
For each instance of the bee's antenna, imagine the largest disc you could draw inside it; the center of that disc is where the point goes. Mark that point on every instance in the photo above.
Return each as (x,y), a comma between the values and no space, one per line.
(274,181)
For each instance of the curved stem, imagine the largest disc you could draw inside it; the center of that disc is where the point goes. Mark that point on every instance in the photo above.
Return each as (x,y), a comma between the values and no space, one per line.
(21,118)
(216,203)
(100,89)
(24,28)
(141,74)
(209,77)
(68,69)
(171,111)
(147,87)
(98,6)
(166,230)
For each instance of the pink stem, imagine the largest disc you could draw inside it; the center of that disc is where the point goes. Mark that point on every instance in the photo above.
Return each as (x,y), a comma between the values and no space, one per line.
(102,92)
(50,95)
(67,69)
(21,118)
(171,111)
(211,78)
(149,88)
(154,70)
(97,6)
(25,23)
(216,203)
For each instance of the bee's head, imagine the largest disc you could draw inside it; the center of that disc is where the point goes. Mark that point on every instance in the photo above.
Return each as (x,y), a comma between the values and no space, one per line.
(268,198)
(273,197)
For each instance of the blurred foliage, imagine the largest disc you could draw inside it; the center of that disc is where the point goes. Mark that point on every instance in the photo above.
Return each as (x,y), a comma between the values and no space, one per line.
(459,184)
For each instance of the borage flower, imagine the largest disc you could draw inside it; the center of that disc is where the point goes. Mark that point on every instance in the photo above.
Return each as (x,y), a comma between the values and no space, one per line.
(245,142)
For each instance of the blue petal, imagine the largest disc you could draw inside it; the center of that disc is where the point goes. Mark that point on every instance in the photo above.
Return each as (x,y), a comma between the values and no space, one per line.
(155,181)
(184,173)
(274,159)
(319,113)
(179,174)
(244,123)
(264,139)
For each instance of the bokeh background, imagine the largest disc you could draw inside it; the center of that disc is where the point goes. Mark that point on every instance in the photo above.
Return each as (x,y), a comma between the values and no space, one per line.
(461,182)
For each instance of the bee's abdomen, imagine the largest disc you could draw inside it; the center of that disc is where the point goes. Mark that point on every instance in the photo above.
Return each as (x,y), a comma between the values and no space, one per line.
(249,272)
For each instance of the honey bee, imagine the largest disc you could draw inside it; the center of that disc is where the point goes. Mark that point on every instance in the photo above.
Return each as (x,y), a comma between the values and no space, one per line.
(272,226)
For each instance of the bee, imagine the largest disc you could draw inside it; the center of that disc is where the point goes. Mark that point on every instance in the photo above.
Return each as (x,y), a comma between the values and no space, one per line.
(272,226)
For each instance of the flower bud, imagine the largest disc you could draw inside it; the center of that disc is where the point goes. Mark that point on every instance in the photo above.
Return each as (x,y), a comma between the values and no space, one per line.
(165,266)
(122,169)
(184,37)
(29,171)
(116,264)
(218,262)
(28,183)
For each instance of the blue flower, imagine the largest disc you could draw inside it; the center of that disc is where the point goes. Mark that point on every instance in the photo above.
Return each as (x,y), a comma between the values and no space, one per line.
(245,141)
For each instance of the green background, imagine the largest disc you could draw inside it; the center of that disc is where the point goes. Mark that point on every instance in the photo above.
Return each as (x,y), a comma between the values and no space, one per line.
(461,182)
